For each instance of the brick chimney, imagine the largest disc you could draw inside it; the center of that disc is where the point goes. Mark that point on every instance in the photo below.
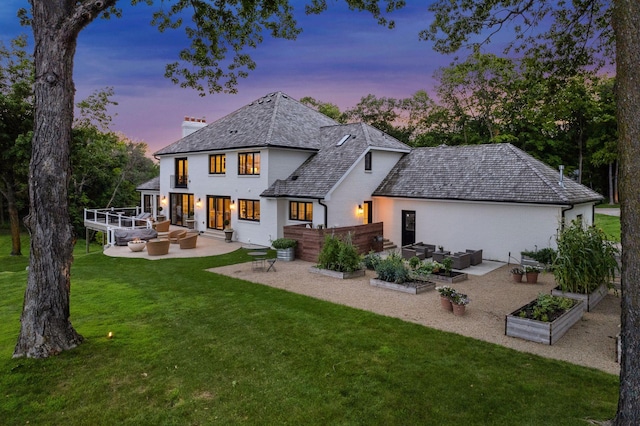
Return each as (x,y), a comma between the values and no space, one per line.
(191,124)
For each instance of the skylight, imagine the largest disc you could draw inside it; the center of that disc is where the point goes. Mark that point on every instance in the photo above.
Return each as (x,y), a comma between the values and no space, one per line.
(343,140)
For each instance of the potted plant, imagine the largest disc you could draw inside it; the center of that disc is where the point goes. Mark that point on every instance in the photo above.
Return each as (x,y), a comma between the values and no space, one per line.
(585,265)
(285,248)
(228,231)
(459,303)
(517,274)
(446,294)
(531,273)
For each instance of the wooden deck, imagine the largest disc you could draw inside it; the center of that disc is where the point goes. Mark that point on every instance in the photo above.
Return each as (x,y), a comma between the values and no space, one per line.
(108,220)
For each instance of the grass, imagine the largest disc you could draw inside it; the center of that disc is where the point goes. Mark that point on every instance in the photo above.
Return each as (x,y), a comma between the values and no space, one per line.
(610,225)
(192,347)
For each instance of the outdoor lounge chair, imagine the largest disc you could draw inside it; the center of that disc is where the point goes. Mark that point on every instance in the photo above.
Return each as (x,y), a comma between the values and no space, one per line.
(189,241)
(426,249)
(460,260)
(162,228)
(409,251)
(157,247)
(476,256)
(175,236)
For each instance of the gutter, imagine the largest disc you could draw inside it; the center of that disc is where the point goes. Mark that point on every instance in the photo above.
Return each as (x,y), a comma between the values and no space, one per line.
(326,212)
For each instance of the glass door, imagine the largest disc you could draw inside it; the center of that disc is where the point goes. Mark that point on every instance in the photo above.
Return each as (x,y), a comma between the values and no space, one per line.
(218,210)
(181,208)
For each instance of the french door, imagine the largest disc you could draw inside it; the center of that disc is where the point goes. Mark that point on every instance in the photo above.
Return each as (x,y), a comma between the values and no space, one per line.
(218,210)
(181,208)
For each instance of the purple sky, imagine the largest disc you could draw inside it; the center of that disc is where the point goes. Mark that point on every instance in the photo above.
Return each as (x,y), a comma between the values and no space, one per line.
(340,57)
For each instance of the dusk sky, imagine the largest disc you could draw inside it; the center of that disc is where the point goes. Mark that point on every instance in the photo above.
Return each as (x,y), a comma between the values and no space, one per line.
(340,57)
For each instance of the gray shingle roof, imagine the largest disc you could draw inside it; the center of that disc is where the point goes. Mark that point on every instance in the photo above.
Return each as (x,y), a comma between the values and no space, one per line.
(494,172)
(273,120)
(150,185)
(319,174)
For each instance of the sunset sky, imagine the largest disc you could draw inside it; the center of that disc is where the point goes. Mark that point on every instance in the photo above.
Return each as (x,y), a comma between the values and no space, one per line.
(340,57)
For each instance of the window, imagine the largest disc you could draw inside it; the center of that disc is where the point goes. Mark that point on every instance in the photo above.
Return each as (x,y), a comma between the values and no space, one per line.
(182,173)
(249,209)
(249,163)
(367,161)
(217,164)
(299,210)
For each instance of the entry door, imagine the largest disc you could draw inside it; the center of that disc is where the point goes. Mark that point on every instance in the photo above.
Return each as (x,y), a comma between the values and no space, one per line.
(408,227)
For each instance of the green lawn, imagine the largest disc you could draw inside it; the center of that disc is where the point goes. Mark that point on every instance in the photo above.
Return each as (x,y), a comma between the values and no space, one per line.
(610,225)
(192,347)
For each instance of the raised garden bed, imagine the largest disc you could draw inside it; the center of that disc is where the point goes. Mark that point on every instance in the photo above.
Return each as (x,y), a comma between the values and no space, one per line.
(452,277)
(542,331)
(413,287)
(337,274)
(590,299)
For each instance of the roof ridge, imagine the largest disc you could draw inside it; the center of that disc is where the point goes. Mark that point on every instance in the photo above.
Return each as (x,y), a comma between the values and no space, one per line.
(276,106)
(534,167)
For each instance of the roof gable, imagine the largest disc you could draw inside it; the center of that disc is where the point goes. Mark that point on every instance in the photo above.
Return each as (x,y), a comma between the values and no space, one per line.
(493,172)
(337,154)
(273,120)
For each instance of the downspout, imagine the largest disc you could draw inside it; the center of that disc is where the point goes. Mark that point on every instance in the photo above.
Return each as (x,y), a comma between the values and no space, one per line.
(326,211)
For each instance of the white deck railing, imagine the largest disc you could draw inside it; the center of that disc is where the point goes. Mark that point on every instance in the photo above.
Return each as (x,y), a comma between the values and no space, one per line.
(108,220)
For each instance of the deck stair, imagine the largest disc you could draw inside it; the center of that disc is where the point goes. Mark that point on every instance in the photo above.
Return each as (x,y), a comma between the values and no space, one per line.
(388,245)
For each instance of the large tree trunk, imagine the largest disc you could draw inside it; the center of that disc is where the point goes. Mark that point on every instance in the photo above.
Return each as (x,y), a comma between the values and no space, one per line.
(45,325)
(627,29)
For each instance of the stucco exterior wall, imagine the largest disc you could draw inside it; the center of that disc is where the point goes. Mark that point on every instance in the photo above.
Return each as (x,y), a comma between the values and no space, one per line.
(501,230)
(357,187)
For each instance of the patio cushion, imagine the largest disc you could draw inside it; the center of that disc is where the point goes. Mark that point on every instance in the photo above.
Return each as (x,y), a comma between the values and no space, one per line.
(123,236)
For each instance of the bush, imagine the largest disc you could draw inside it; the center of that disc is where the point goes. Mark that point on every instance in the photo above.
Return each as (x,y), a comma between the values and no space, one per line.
(393,269)
(371,260)
(338,255)
(283,243)
(546,255)
(585,259)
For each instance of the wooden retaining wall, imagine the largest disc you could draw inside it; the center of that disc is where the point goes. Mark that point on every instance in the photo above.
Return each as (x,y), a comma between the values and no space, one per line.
(310,240)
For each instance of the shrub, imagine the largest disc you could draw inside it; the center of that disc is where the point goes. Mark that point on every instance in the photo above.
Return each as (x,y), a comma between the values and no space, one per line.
(414,262)
(393,269)
(546,255)
(338,255)
(371,260)
(283,243)
(585,259)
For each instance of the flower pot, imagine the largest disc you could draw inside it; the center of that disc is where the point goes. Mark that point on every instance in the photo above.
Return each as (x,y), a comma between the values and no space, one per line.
(458,310)
(228,235)
(286,254)
(517,278)
(532,277)
(446,304)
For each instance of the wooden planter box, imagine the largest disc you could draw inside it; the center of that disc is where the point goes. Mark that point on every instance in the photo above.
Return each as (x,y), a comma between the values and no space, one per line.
(337,274)
(455,277)
(415,287)
(590,300)
(540,331)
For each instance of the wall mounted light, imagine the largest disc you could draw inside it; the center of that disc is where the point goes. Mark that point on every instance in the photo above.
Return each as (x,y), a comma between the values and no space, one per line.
(164,199)
(233,205)
(360,210)
(199,203)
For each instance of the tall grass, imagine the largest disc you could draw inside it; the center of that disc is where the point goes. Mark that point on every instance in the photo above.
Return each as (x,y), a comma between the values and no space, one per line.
(193,347)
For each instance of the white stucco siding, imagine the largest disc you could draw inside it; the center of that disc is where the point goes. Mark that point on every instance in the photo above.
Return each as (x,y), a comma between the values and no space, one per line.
(356,188)
(499,229)
(585,211)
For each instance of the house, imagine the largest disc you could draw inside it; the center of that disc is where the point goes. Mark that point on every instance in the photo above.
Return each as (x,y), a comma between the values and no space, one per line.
(275,162)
